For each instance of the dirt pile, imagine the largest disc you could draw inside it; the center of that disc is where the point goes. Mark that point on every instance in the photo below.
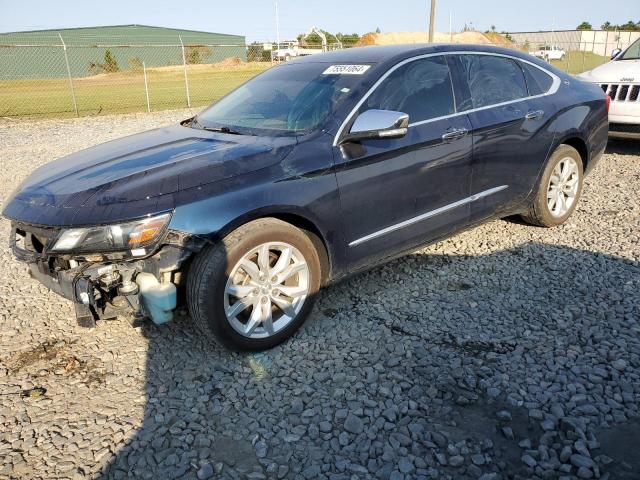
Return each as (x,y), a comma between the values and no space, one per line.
(397,38)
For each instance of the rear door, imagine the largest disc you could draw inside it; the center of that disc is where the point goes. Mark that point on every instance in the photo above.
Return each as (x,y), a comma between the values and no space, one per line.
(510,136)
(398,193)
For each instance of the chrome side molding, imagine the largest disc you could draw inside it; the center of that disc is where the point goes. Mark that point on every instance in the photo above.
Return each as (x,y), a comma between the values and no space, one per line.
(429,214)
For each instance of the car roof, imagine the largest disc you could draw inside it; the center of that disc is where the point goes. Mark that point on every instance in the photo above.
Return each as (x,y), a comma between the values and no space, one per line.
(394,53)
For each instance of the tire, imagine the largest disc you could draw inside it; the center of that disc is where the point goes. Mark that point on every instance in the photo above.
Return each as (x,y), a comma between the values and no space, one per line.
(216,271)
(545,212)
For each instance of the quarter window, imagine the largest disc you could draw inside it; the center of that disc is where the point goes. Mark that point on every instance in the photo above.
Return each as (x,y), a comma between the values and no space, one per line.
(492,79)
(538,82)
(420,88)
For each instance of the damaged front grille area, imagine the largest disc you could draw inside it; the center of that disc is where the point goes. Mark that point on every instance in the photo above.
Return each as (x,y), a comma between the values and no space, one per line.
(110,284)
(33,239)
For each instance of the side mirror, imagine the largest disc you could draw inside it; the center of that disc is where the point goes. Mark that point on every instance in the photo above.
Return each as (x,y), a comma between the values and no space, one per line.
(615,53)
(378,124)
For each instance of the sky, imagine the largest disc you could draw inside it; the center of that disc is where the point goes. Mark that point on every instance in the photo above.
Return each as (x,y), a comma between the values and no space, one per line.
(255,19)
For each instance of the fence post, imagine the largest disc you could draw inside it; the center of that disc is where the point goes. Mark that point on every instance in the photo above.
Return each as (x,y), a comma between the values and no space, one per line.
(146,86)
(606,47)
(66,59)
(186,79)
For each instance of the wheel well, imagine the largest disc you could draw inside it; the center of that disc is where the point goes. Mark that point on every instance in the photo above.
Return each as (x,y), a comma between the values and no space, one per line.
(581,147)
(317,238)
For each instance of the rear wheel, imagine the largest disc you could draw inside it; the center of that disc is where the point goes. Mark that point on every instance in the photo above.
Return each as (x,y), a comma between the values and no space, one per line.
(254,289)
(559,189)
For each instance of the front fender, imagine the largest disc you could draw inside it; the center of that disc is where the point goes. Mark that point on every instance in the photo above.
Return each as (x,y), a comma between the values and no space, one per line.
(314,200)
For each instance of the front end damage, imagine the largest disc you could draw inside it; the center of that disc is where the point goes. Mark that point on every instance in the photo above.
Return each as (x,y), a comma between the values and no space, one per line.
(107,285)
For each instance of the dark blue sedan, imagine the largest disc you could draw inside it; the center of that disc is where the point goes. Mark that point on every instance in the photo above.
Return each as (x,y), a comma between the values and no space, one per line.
(311,171)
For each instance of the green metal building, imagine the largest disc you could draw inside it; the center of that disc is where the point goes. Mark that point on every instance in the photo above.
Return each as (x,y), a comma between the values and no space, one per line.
(94,50)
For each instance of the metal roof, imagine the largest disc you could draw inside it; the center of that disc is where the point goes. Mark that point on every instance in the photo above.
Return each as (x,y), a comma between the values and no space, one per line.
(119,34)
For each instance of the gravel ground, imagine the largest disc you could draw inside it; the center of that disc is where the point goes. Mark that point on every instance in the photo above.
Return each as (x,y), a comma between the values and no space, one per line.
(505,352)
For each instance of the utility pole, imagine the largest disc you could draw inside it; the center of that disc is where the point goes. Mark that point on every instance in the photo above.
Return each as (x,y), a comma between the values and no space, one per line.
(277,27)
(432,20)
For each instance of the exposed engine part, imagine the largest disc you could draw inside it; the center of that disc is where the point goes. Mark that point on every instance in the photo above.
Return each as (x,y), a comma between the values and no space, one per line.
(158,299)
(110,278)
(128,286)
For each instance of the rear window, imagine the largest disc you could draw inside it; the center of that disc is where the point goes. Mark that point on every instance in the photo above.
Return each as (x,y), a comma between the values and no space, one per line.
(538,82)
(492,79)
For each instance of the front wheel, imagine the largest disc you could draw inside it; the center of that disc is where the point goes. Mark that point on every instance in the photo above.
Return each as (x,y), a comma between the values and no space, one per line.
(254,289)
(559,189)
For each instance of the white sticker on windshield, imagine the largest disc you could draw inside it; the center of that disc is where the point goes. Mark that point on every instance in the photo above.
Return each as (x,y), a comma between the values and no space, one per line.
(346,69)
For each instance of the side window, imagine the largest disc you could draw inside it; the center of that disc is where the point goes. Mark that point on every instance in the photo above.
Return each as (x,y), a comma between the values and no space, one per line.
(493,79)
(421,88)
(538,82)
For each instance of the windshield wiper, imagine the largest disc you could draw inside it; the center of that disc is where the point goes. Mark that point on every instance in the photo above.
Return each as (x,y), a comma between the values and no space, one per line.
(228,130)
(194,123)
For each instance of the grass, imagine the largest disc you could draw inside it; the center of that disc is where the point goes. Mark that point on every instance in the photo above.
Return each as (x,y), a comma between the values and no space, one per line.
(123,92)
(577,62)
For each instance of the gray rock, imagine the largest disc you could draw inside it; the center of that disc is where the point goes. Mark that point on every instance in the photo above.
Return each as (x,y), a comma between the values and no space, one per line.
(529,461)
(620,365)
(296,406)
(584,472)
(405,465)
(504,415)
(581,461)
(507,432)
(206,471)
(353,424)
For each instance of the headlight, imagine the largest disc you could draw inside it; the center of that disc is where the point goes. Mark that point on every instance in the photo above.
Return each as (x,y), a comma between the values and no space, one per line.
(123,236)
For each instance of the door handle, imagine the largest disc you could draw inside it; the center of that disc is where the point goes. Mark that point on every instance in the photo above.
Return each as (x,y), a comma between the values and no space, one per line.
(532,115)
(454,134)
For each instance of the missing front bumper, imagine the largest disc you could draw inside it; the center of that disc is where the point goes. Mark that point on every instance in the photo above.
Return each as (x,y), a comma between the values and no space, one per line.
(104,288)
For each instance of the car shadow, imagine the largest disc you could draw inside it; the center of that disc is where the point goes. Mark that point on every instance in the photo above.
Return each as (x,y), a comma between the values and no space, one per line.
(623,147)
(409,350)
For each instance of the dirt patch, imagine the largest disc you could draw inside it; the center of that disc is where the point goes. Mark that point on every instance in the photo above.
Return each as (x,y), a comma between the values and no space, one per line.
(45,352)
(229,62)
(57,357)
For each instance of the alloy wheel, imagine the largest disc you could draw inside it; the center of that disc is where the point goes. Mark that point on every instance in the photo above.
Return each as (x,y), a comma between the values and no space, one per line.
(266,289)
(563,187)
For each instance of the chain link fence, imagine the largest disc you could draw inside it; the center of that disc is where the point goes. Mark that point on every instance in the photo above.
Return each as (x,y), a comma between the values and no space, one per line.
(56,78)
(574,51)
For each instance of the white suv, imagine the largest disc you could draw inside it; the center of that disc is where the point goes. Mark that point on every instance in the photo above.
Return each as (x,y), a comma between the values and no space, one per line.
(620,79)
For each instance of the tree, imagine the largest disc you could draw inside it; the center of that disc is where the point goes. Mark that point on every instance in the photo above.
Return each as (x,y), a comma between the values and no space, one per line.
(493,28)
(378,31)
(584,26)
(136,64)
(629,26)
(257,53)
(195,54)
(348,40)
(110,63)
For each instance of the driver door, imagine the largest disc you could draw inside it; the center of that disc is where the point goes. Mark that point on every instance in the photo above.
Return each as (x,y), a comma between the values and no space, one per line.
(399,193)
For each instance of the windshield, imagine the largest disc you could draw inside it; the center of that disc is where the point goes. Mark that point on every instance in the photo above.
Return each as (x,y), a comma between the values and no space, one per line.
(633,52)
(289,98)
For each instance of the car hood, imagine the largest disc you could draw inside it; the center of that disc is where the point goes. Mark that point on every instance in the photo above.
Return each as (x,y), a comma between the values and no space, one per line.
(614,72)
(146,168)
